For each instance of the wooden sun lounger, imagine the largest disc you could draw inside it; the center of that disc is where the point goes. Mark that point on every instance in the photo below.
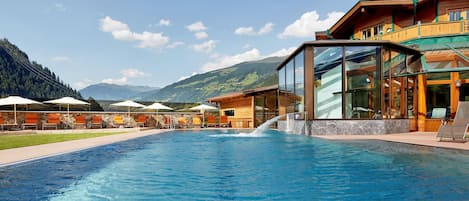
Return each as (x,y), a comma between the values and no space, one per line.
(53,121)
(97,121)
(457,130)
(141,120)
(30,120)
(196,122)
(80,120)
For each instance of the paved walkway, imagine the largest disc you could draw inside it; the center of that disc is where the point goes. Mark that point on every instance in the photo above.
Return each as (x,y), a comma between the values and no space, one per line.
(417,138)
(18,155)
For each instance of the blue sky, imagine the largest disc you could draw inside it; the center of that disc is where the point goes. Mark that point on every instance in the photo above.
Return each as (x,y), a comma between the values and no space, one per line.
(156,43)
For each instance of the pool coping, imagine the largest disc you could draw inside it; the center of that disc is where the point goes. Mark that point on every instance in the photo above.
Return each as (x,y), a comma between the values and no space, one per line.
(414,138)
(19,155)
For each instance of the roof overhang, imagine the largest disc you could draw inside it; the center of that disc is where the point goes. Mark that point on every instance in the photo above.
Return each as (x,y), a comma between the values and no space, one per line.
(361,7)
(325,43)
(249,92)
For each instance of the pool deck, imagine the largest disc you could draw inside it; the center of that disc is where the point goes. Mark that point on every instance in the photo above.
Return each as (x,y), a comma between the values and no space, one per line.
(19,155)
(22,154)
(415,138)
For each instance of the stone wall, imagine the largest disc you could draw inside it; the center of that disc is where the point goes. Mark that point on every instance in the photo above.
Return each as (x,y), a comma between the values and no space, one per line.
(345,127)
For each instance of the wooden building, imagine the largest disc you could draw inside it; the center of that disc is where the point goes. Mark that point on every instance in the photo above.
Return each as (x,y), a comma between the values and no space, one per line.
(249,108)
(439,29)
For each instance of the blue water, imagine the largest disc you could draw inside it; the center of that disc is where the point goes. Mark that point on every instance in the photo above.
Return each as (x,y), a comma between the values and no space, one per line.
(218,165)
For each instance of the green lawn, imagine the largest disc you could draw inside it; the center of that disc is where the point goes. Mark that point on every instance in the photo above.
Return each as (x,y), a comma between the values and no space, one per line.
(14,141)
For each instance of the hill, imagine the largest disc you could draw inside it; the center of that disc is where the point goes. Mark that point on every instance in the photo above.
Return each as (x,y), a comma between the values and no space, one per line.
(20,76)
(200,87)
(103,91)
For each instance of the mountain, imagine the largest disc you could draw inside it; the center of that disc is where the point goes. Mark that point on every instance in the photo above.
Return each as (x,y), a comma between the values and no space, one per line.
(103,91)
(200,87)
(20,76)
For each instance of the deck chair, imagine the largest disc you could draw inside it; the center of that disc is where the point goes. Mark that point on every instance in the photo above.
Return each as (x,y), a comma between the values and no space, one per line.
(2,123)
(80,120)
(118,121)
(182,122)
(196,122)
(211,121)
(30,120)
(166,123)
(224,121)
(97,121)
(141,120)
(458,129)
(53,121)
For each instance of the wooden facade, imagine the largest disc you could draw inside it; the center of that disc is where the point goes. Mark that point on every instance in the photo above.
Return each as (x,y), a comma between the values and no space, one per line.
(431,26)
(249,108)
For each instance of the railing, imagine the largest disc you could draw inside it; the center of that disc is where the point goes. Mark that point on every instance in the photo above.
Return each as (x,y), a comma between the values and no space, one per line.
(425,30)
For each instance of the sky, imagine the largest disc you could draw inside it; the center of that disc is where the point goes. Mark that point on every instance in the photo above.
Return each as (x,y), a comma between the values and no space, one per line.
(156,43)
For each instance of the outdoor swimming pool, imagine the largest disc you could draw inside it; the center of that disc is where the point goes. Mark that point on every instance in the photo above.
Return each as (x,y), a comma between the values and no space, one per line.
(216,165)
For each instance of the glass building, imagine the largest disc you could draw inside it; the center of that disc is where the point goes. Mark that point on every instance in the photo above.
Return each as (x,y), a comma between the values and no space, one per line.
(349,80)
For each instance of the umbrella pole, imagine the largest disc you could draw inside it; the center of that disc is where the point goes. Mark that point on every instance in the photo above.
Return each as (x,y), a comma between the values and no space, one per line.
(156,126)
(14,109)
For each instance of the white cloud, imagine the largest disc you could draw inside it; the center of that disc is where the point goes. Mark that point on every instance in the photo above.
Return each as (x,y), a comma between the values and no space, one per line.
(206,46)
(247,46)
(119,81)
(196,27)
(185,77)
(267,28)
(165,22)
(60,58)
(175,44)
(82,84)
(245,31)
(121,31)
(132,73)
(309,23)
(250,55)
(201,35)
(229,60)
(60,7)
(282,52)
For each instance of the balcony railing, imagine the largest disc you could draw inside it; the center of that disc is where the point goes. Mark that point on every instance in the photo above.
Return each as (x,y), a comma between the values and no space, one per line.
(426,30)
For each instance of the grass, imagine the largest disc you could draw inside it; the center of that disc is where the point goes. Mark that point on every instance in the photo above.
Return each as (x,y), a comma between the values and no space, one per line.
(15,141)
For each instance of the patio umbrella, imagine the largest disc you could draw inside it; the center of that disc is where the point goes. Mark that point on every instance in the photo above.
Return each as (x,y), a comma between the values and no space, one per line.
(202,108)
(157,106)
(128,104)
(67,101)
(16,100)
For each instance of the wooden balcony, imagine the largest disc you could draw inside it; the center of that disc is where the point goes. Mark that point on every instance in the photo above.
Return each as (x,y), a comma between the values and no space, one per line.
(426,30)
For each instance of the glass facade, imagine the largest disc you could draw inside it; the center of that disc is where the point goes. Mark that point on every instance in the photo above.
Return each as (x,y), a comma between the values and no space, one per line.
(362,92)
(356,81)
(328,82)
(299,86)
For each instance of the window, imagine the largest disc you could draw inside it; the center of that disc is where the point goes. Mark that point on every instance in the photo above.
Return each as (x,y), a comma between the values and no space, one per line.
(229,113)
(281,78)
(328,82)
(299,86)
(361,94)
(454,15)
(374,31)
(438,101)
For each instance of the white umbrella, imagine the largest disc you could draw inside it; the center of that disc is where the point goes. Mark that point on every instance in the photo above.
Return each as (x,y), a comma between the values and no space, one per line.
(202,108)
(16,100)
(157,106)
(128,104)
(67,101)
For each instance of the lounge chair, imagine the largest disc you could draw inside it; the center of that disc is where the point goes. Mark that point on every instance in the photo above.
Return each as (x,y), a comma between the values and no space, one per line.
(97,121)
(118,121)
(211,121)
(196,122)
(53,121)
(30,120)
(141,120)
(224,121)
(458,129)
(2,123)
(166,123)
(182,122)
(80,120)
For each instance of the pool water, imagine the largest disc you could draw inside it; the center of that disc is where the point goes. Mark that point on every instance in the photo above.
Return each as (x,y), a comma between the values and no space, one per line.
(222,165)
